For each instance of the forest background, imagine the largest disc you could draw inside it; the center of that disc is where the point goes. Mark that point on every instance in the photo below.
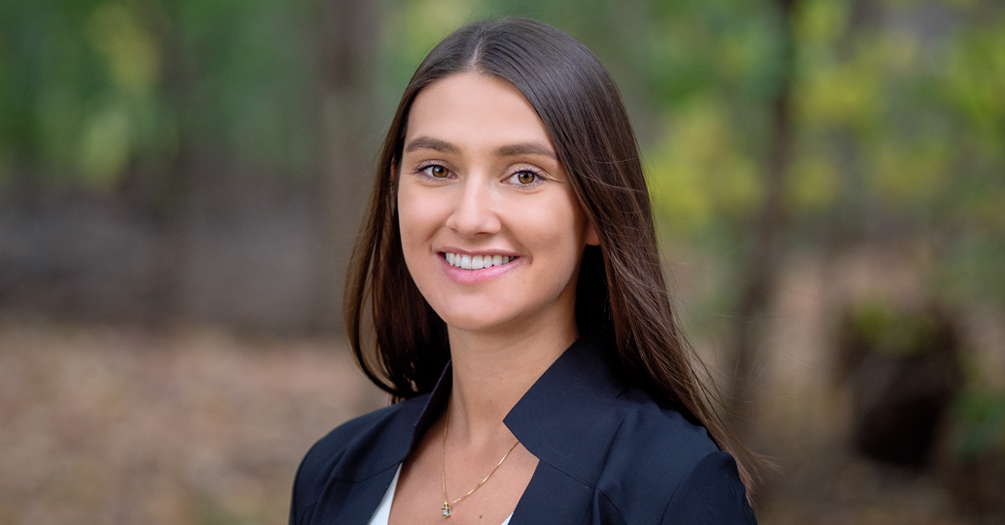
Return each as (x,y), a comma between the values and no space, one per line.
(181,182)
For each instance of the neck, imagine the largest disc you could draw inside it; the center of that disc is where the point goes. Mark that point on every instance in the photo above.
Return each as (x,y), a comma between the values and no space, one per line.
(492,371)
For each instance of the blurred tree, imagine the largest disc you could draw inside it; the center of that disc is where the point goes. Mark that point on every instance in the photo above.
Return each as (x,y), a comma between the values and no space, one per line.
(763,267)
(894,137)
(896,125)
(349,61)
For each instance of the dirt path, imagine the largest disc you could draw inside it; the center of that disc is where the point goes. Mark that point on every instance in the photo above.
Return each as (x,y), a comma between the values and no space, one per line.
(113,425)
(124,426)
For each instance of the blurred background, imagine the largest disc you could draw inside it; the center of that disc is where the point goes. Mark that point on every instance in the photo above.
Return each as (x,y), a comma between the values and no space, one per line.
(181,182)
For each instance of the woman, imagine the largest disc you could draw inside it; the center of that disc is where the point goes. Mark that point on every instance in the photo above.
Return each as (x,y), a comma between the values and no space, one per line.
(508,275)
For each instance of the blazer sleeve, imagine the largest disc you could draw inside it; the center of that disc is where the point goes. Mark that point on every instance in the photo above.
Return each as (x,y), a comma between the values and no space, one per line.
(711,494)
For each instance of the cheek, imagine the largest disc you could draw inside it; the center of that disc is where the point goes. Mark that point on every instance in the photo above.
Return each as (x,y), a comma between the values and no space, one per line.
(413,216)
(554,234)
(410,223)
(557,223)
(418,221)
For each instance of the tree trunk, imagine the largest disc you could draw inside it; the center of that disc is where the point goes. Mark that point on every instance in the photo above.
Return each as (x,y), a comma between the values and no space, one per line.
(348,50)
(762,271)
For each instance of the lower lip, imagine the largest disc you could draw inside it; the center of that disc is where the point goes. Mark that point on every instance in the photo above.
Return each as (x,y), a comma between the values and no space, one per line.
(475,276)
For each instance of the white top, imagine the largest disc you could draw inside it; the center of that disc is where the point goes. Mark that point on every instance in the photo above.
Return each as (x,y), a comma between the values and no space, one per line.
(383,512)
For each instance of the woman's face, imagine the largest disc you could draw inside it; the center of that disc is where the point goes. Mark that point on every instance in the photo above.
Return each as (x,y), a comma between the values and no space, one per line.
(490,228)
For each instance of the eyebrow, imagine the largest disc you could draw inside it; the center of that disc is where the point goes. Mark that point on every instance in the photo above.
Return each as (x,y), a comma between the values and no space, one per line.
(525,148)
(509,150)
(431,143)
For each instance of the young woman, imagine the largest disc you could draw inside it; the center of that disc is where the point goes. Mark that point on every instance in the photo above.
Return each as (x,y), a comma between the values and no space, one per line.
(506,289)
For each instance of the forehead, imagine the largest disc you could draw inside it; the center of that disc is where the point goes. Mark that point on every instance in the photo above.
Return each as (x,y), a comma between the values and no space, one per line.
(475,110)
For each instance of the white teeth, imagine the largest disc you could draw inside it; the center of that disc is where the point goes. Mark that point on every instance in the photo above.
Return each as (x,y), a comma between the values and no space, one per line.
(476,262)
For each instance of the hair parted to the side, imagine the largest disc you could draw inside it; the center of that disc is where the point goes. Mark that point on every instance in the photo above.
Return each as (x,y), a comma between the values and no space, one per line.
(621,284)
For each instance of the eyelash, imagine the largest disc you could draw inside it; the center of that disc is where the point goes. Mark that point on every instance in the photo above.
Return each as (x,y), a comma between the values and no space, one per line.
(421,170)
(538,175)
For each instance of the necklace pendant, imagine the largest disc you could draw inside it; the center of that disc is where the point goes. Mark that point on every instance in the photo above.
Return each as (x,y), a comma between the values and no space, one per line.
(446,509)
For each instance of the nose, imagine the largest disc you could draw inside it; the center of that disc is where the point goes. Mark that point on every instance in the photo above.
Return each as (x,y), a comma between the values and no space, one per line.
(474,209)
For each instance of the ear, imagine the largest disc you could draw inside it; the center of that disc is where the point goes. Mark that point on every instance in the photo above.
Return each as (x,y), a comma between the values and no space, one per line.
(592,238)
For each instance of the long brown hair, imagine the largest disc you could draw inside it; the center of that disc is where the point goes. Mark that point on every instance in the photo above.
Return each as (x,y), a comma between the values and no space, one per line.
(621,284)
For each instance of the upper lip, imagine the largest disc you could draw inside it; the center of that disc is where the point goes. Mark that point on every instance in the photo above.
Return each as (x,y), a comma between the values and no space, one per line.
(479,251)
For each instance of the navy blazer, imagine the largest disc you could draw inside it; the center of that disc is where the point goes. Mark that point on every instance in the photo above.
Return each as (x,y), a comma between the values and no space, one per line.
(607,455)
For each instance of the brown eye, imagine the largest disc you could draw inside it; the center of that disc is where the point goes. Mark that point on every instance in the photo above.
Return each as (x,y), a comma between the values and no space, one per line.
(435,171)
(525,177)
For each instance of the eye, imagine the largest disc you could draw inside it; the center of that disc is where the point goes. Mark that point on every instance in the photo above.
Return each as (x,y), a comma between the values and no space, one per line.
(435,171)
(525,178)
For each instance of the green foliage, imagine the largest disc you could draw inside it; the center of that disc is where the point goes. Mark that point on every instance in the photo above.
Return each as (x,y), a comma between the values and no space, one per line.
(899,114)
(899,334)
(699,173)
(252,71)
(92,89)
(980,424)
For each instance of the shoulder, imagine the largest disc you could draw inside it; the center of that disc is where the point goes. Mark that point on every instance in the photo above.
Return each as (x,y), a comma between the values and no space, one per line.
(710,494)
(662,468)
(640,462)
(650,445)
(333,446)
(368,434)
(668,440)
(354,451)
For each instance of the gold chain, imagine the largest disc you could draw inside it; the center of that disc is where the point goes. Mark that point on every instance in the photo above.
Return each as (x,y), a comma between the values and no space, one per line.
(446,501)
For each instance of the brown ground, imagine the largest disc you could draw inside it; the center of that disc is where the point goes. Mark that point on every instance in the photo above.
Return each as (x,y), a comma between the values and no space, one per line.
(113,425)
(124,426)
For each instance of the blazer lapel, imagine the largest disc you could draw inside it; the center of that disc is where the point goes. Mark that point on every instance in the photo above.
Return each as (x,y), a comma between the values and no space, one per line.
(553,498)
(353,503)
(563,420)
(352,497)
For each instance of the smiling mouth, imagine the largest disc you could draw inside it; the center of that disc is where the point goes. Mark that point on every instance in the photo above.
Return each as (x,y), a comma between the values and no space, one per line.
(477,262)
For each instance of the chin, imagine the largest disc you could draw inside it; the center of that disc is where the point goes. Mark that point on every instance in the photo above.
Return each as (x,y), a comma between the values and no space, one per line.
(473,323)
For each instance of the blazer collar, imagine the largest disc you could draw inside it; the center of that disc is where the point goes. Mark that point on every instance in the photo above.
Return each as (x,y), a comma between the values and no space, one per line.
(563,418)
(560,408)
(435,406)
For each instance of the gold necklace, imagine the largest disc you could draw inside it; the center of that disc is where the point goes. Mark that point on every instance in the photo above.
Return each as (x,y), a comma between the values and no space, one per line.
(446,501)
